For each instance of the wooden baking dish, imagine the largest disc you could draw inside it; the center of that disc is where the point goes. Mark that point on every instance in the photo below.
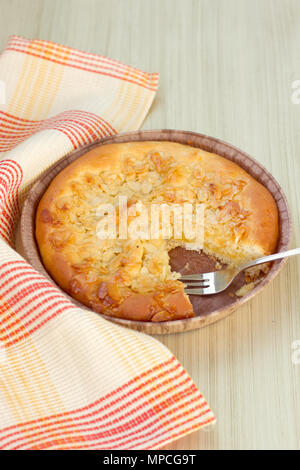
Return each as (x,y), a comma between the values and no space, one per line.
(209,308)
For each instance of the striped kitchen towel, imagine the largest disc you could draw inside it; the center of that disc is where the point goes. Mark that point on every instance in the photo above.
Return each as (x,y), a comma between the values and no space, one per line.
(68,378)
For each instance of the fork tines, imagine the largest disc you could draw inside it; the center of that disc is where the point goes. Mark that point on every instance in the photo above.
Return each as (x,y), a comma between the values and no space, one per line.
(202,280)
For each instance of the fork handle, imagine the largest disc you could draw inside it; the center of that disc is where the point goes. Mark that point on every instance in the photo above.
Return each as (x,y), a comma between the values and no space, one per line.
(266,259)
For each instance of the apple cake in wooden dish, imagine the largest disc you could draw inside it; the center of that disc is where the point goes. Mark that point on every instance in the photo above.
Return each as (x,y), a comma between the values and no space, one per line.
(114,224)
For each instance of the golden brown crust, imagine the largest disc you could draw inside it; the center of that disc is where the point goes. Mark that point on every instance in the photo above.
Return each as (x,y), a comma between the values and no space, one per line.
(135,281)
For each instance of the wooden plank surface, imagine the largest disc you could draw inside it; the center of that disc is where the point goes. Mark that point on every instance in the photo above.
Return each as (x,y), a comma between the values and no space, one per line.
(227,69)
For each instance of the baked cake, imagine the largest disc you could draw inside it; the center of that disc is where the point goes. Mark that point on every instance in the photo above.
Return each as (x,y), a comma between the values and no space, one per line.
(128,277)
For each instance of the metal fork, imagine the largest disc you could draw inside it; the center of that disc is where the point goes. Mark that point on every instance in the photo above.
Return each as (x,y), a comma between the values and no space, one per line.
(214,282)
